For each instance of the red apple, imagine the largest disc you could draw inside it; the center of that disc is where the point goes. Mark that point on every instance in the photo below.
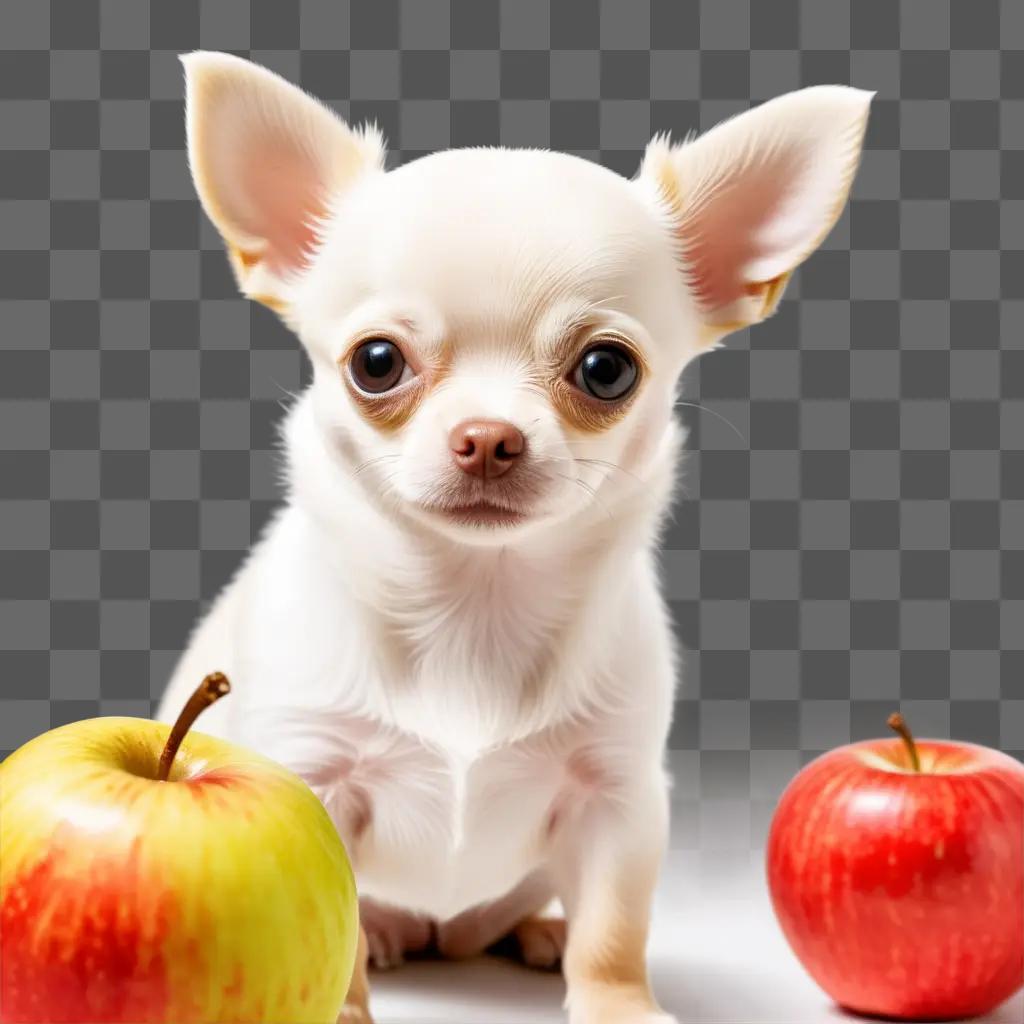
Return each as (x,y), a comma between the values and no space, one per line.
(897,873)
(206,883)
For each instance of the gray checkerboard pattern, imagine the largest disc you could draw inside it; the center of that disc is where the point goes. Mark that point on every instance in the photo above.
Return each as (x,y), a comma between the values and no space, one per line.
(852,535)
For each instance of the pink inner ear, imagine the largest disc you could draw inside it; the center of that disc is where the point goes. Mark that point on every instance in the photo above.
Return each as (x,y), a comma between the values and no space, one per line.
(741,235)
(282,190)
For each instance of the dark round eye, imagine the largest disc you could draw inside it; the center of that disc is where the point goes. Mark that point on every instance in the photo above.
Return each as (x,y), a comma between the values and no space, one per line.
(606,371)
(377,365)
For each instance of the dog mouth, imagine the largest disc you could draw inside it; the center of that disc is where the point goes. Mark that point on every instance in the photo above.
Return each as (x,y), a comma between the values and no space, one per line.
(483,505)
(479,513)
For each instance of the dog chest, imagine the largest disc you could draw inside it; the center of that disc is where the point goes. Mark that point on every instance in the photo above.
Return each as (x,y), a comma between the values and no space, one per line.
(442,832)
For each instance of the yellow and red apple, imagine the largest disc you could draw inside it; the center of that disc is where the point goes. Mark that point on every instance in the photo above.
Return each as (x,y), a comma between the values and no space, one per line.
(221,894)
(896,870)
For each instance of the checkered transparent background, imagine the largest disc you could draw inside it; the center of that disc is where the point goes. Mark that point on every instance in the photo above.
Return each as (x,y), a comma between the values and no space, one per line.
(852,536)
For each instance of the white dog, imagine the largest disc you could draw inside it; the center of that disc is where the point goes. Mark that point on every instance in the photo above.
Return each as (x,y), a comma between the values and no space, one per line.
(453,630)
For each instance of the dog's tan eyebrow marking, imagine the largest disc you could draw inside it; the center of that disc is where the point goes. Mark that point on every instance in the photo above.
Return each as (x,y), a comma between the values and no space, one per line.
(411,324)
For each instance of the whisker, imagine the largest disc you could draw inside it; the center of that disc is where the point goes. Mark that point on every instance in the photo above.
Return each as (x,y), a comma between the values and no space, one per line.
(386,490)
(589,490)
(283,402)
(372,462)
(736,430)
(693,405)
(597,462)
(592,491)
(575,463)
(610,465)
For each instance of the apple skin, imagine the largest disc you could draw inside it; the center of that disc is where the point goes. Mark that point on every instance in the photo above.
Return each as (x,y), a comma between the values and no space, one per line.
(902,893)
(223,894)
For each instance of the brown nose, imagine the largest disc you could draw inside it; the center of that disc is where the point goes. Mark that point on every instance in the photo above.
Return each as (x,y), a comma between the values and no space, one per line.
(486,448)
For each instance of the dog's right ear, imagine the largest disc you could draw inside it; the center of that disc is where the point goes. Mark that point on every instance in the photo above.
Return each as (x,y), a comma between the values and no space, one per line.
(749,201)
(267,161)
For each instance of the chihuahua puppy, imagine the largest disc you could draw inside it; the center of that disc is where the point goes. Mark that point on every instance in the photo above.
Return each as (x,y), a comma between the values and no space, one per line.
(453,630)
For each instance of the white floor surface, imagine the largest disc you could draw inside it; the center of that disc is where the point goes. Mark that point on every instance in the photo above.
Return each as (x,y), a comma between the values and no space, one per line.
(716,956)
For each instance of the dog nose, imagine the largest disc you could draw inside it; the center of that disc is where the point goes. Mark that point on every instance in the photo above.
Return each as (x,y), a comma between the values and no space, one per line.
(486,448)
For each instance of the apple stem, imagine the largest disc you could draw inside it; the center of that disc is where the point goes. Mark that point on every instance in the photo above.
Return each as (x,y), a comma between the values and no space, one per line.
(209,691)
(898,724)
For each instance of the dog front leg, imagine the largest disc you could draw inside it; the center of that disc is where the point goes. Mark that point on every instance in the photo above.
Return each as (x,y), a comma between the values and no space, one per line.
(606,861)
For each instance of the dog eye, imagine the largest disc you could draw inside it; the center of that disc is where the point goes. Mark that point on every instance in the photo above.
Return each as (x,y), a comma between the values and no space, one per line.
(606,371)
(377,365)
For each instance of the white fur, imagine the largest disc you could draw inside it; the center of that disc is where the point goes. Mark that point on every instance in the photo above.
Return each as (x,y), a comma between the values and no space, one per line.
(469,703)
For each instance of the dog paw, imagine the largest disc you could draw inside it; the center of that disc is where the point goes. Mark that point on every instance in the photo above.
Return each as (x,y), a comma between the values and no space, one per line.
(391,933)
(615,1004)
(462,937)
(541,942)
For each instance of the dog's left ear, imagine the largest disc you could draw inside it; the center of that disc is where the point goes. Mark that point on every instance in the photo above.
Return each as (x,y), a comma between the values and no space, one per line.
(754,197)
(267,160)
